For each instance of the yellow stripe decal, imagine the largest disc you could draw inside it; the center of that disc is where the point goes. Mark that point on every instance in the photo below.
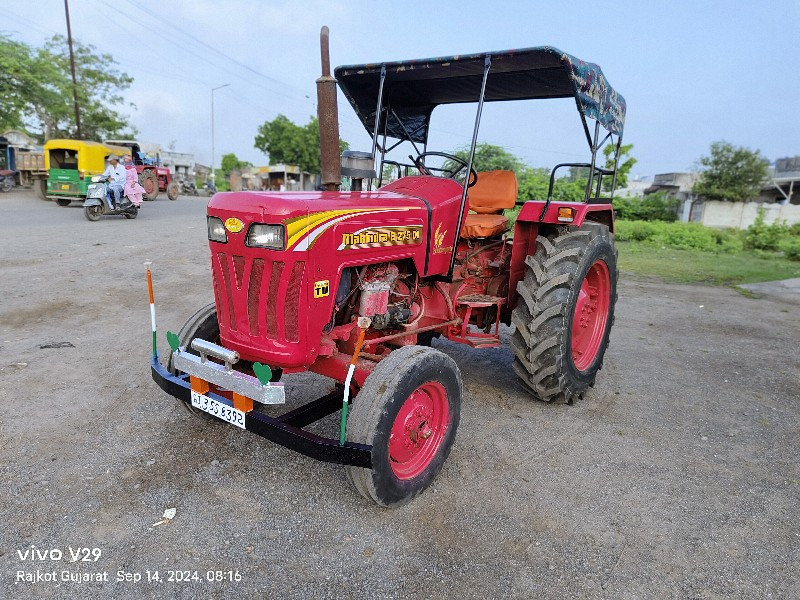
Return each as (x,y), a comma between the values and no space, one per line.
(299,227)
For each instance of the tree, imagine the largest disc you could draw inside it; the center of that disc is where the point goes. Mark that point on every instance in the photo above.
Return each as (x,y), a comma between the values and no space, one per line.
(288,143)
(488,157)
(230,162)
(532,182)
(731,173)
(626,162)
(36,90)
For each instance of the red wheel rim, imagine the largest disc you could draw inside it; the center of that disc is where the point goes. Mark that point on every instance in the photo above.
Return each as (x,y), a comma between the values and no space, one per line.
(150,185)
(418,430)
(590,316)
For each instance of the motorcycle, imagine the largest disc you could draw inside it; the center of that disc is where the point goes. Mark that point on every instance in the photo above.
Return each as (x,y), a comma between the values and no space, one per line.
(99,201)
(209,188)
(6,180)
(188,188)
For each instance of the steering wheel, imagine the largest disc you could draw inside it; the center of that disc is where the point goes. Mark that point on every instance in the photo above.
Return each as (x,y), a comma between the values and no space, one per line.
(461,164)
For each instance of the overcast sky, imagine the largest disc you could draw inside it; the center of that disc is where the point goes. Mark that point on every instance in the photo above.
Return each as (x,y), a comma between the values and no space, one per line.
(692,72)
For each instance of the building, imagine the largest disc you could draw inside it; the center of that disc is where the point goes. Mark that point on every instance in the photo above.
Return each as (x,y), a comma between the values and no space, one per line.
(784,182)
(278,178)
(636,188)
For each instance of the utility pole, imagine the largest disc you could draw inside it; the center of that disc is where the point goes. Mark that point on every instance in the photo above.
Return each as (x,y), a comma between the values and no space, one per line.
(213,173)
(72,68)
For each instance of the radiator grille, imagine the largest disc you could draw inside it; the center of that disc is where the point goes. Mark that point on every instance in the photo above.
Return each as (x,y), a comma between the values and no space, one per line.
(292,300)
(253,294)
(272,297)
(269,291)
(223,264)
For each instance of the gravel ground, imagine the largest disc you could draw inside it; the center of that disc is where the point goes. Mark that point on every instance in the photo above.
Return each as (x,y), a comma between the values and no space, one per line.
(676,477)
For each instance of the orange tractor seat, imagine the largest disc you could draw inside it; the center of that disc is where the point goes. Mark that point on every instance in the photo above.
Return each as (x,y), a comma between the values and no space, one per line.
(492,193)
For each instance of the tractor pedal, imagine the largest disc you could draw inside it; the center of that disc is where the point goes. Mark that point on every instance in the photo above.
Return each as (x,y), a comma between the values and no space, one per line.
(480,300)
(483,341)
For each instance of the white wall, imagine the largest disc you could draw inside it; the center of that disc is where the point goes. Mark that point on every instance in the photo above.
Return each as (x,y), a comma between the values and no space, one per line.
(742,214)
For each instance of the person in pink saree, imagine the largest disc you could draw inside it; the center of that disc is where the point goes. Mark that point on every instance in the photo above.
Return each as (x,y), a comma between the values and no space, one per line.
(133,191)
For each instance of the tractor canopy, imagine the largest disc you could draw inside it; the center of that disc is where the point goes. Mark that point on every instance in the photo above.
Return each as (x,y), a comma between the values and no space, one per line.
(413,88)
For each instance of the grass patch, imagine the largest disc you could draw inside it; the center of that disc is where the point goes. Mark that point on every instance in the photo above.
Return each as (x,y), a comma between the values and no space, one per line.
(699,266)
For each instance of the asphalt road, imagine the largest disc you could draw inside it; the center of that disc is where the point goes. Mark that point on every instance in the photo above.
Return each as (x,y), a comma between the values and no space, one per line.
(676,477)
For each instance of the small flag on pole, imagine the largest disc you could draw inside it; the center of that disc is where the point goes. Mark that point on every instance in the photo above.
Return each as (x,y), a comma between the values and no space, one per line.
(147,266)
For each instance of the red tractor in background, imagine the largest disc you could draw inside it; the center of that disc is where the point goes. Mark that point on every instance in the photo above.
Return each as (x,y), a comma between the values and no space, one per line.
(355,285)
(152,177)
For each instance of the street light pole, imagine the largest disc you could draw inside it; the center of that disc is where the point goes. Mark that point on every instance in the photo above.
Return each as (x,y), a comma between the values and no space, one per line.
(72,70)
(213,173)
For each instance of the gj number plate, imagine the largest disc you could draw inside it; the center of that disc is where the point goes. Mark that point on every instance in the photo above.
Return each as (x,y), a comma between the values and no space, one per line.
(218,409)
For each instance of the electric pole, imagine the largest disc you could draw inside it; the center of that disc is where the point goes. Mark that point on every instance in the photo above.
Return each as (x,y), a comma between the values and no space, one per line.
(72,68)
(213,173)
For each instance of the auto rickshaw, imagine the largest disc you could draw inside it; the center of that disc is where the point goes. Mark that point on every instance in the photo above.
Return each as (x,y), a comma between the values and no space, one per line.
(70,165)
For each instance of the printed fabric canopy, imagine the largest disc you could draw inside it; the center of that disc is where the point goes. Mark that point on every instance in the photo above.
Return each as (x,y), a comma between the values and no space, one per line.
(413,88)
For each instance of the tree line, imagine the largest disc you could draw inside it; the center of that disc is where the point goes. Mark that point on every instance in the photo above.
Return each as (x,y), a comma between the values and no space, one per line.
(36,90)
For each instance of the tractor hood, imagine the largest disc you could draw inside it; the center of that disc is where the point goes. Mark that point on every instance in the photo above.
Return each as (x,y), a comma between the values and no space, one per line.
(274,303)
(308,215)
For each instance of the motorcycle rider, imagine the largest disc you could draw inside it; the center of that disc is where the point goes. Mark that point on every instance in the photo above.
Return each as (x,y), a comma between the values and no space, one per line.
(116,177)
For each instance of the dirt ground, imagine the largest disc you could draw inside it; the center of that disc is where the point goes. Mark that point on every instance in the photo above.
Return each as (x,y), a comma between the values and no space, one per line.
(676,477)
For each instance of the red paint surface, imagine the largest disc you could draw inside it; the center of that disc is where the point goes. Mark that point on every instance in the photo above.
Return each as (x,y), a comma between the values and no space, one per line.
(418,430)
(591,315)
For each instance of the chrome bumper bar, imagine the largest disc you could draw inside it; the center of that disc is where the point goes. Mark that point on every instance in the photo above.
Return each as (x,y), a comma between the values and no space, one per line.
(223,375)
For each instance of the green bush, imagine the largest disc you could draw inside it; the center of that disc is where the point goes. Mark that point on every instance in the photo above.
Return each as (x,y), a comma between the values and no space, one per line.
(635,231)
(794,229)
(791,248)
(659,206)
(685,236)
(761,236)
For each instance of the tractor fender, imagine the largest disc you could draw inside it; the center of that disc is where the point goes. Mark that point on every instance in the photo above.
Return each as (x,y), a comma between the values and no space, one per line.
(601,213)
(526,229)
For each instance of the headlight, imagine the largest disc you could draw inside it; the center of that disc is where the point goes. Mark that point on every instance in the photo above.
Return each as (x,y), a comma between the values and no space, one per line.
(265,236)
(216,230)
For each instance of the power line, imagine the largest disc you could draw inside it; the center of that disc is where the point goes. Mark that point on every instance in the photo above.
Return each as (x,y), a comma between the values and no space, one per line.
(220,53)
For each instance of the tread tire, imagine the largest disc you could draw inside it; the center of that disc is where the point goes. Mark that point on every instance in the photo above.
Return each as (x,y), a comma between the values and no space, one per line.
(373,413)
(202,324)
(542,339)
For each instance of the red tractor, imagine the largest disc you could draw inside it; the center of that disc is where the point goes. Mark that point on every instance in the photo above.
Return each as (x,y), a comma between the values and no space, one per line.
(152,177)
(354,285)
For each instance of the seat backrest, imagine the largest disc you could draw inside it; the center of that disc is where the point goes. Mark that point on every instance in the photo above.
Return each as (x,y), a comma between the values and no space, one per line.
(493,192)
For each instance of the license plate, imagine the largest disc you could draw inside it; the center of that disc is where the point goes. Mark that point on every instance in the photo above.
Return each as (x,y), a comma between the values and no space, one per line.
(64,186)
(222,411)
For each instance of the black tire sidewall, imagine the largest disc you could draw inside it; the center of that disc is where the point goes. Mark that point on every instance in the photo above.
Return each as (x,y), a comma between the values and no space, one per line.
(436,367)
(599,248)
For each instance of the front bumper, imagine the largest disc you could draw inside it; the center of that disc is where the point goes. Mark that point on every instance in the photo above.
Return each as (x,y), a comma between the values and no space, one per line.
(286,429)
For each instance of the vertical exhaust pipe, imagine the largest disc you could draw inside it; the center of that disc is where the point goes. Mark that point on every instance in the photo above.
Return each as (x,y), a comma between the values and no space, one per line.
(328,115)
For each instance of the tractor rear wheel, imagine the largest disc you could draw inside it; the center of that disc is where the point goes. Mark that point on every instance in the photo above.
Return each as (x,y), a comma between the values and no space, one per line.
(149,181)
(204,325)
(408,411)
(565,312)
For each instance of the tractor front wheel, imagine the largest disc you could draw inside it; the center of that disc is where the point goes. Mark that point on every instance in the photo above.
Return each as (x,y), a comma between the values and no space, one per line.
(172,190)
(565,311)
(408,411)
(204,325)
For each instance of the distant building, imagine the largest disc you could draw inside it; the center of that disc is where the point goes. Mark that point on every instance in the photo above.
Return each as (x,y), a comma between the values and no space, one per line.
(278,178)
(635,189)
(20,139)
(181,164)
(784,182)
(675,184)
